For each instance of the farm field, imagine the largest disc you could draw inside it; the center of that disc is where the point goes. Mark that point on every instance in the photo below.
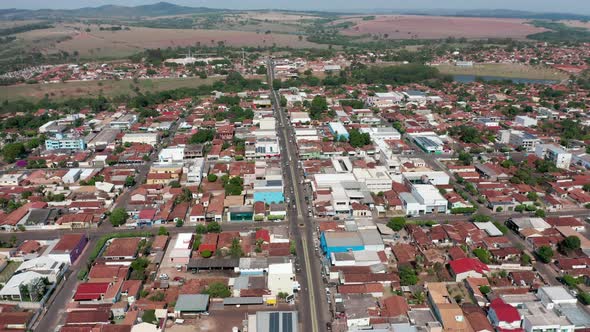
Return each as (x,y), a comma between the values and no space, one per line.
(93,88)
(438,27)
(120,43)
(505,70)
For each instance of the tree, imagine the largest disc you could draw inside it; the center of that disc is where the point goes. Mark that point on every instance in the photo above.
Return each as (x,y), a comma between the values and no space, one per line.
(317,107)
(545,254)
(584,297)
(206,253)
(217,290)
(234,186)
(358,139)
(129,181)
(481,218)
(201,229)
(236,250)
(540,213)
(483,255)
(465,158)
(202,136)
(282,295)
(586,187)
(174,184)
(533,196)
(397,223)
(569,244)
(211,177)
(407,276)
(525,259)
(179,223)
(213,227)
(570,281)
(485,289)
(12,151)
(162,231)
(118,217)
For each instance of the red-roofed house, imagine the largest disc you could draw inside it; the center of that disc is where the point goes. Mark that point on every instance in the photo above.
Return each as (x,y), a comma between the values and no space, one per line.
(91,291)
(503,315)
(468,267)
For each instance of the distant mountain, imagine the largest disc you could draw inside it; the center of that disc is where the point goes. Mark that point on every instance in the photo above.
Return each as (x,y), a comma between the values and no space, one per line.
(108,11)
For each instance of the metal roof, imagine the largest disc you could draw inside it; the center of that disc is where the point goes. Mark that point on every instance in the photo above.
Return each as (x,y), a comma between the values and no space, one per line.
(192,302)
(212,263)
(276,321)
(242,300)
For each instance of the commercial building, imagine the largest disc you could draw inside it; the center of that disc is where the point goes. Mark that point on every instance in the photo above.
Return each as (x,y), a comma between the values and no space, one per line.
(341,242)
(194,170)
(525,121)
(69,248)
(276,321)
(181,252)
(518,138)
(188,305)
(62,143)
(555,154)
(171,154)
(281,278)
(337,129)
(143,138)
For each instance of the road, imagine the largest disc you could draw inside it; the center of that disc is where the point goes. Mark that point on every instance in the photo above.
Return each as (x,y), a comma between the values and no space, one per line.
(54,312)
(312,300)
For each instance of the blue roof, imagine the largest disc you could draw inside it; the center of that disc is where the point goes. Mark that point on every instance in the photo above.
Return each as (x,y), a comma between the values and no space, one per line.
(269,197)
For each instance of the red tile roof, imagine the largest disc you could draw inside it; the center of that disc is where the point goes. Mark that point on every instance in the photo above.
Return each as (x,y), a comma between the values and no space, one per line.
(504,311)
(468,264)
(91,291)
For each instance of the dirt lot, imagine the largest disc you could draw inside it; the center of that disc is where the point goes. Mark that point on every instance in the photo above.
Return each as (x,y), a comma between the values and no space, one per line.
(577,24)
(108,88)
(433,27)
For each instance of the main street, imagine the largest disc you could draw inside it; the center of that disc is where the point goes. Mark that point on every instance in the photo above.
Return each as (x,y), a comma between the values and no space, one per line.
(312,299)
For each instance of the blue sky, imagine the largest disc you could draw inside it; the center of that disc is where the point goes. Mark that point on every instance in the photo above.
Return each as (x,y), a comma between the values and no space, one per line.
(568,6)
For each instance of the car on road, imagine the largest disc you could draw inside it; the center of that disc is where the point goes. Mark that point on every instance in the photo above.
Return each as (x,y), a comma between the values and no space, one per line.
(164,276)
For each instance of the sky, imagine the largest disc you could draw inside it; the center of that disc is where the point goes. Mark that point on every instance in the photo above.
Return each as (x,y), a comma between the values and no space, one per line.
(562,6)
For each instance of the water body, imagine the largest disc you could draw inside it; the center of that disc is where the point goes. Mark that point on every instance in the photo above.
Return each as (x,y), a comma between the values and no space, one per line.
(471,78)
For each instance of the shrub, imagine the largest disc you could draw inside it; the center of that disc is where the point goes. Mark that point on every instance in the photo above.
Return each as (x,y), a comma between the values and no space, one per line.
(206,253)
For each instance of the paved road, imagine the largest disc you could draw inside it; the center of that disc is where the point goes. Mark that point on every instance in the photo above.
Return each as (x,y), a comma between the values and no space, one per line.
(313,303)
(54,312)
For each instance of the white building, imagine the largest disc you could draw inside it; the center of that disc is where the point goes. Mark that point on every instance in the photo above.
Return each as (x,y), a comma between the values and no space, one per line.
(525,121)
(181,253)
(556,154)
(518,138)
(436,178)
(384,133)
(430,199)
(268,123)
(194,169)
(171,154)
(144,138)
(11,179)
(72,175)
(281,278)
(299,117)
(385,99)
(536,318)
(551,296)
(376,179)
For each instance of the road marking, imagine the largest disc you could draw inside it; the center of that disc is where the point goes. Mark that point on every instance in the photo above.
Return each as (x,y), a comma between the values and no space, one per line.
(310,287)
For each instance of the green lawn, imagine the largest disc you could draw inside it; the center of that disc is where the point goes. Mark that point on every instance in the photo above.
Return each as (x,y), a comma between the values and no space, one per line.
(9,271)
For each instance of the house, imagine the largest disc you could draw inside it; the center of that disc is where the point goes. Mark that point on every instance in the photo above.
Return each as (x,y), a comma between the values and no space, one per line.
(477,318)
(181,253)
(191,305)
(91,291)
(69,248)
(468,267)
(503,316)
(122,249)
(333,242)
(16,320)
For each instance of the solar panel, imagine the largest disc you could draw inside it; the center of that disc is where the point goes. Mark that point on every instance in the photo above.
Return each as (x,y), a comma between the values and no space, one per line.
(273,325)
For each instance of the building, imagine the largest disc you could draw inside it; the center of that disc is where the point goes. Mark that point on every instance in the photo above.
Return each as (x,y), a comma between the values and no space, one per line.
(194,169)
(276,321)
(124,122)
(468,268)
(552,296)
(555,154)
(60,143)
(11,180)
(337,129)
(181,253)
(69,248)
(281,278)
(503,316)
(143,138)
(429,144)
(171,154)
(334,242)
(537,318)
(188,305)
(525,121)
(518,138)
(122,249)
